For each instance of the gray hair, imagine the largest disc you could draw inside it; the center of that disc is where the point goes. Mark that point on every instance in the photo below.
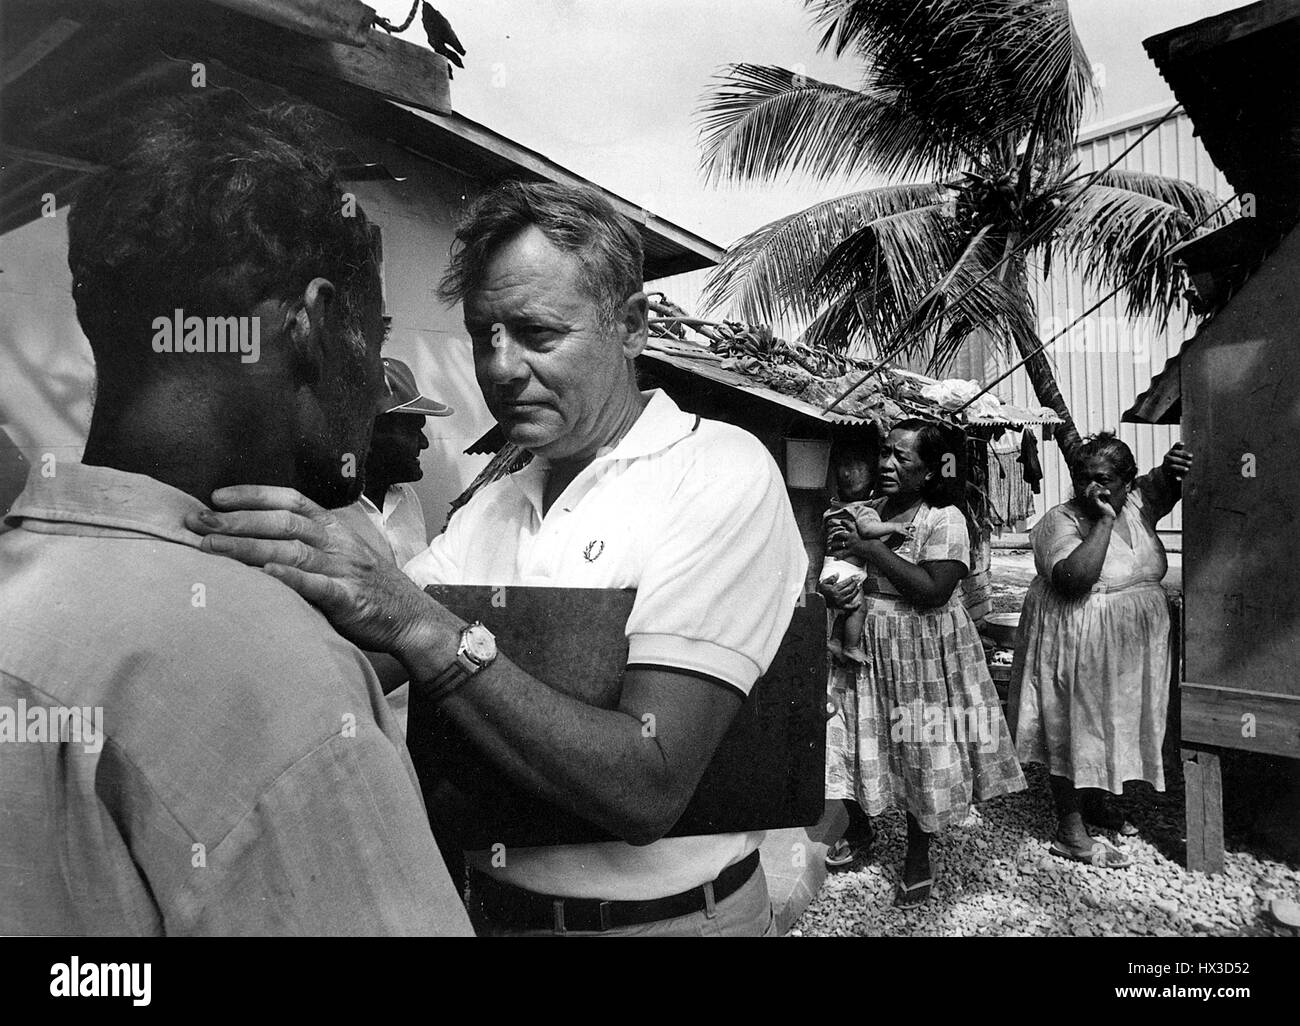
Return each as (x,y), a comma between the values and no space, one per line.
(575,219)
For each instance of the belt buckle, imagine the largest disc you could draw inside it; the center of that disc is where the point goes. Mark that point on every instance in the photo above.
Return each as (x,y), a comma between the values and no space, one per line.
(606,919)
(710,906)
(557,915)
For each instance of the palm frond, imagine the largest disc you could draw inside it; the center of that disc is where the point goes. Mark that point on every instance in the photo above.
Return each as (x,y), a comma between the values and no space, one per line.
(760,122)
(769,275)
(974,70)
(926,289)
(1119,237)
(1199,204)
(997,304)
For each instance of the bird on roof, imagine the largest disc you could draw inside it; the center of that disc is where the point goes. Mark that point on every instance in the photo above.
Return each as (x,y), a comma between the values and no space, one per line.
(442,37)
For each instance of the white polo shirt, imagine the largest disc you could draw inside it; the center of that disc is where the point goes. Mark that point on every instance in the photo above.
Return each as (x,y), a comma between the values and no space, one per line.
(401,521)
(694,515)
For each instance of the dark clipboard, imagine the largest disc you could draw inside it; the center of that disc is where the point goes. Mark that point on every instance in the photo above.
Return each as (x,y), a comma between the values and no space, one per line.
(767,773)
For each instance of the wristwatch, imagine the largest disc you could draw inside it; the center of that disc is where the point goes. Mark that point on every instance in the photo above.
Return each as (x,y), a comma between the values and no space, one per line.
(476,651)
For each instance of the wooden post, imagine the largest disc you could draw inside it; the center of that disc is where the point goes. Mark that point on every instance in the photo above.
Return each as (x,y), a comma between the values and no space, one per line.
(1204,787)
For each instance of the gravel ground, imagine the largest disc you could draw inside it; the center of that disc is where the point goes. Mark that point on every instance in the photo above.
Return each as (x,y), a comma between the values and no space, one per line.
(995,876)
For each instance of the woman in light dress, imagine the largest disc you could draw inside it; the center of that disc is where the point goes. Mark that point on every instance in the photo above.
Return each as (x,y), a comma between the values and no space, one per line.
(1092,662)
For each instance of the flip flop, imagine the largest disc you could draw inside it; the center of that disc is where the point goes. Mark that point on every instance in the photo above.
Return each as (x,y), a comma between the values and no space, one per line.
(1110,818)
(915,895)
(1103,855)
(843,853)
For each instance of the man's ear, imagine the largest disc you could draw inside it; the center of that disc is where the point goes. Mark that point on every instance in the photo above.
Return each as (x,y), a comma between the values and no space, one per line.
(306,320)
(634,318)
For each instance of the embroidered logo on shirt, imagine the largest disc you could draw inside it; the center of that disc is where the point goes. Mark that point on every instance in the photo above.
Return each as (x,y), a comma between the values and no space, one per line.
(593,550)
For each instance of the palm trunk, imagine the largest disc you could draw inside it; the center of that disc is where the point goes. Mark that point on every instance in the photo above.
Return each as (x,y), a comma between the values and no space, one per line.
(1037,367)
(1039,371)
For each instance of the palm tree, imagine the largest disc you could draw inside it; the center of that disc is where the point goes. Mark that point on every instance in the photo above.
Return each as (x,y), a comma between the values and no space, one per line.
(975,103)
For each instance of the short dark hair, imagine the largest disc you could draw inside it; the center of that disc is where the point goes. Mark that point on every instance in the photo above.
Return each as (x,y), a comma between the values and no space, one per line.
(575,219)
(212,205)
(933,443)
(1107,446)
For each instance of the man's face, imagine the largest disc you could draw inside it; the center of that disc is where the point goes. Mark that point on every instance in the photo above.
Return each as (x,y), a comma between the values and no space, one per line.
(546,362)
(332,453)
(395,448)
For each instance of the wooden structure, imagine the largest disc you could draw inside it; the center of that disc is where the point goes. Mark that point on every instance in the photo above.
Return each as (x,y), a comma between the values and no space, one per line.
(1236,385)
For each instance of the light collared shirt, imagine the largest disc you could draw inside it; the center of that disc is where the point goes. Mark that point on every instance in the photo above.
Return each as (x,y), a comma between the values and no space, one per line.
(250,779)
(694,515)
(401,521)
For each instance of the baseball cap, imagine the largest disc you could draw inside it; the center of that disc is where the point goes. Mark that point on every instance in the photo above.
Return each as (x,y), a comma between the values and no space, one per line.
(403,394)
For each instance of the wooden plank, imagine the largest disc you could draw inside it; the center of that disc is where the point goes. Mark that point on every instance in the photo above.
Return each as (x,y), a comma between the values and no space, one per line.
(1203,784)
(343,21)
(46,41)
(385,66)
(1254,721)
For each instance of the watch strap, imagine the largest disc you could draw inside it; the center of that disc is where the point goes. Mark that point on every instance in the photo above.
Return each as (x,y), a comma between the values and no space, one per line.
(446,682)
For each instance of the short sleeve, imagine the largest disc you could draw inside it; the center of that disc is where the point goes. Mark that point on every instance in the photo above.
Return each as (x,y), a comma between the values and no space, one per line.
(1054,537)
(864,513)
(719,590)
(943,537)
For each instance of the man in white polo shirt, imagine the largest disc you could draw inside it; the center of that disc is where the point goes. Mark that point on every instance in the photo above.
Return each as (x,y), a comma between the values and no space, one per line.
(625,491)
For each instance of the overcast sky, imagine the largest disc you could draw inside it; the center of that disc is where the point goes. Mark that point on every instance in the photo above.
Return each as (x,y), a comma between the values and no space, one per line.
(609,88)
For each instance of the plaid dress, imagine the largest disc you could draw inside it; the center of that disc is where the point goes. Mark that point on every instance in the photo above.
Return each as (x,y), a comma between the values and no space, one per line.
(920,724)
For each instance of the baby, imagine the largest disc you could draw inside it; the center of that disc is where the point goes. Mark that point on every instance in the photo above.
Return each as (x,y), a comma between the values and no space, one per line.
(846,635)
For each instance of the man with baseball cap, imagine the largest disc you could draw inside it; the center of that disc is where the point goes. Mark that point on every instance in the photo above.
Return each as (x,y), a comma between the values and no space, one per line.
(389,502)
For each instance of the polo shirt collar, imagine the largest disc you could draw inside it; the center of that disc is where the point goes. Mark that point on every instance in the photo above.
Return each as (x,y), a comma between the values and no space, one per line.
(661,425)
(101,497)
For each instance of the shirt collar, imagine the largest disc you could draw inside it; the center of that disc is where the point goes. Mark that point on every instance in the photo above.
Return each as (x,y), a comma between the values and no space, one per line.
(662,424)
(101,497)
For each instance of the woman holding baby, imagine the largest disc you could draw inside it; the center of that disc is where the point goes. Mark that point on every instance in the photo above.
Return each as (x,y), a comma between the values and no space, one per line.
(918,721)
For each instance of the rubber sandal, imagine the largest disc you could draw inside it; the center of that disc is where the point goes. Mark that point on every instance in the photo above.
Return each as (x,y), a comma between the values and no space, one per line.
(914,896)
(844,853)
(1103,855)
(1107,817)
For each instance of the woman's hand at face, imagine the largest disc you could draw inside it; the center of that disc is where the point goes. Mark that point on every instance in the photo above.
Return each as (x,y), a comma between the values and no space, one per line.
(1096,500)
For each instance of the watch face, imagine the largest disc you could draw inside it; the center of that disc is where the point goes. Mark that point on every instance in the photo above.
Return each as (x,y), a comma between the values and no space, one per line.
(479,644)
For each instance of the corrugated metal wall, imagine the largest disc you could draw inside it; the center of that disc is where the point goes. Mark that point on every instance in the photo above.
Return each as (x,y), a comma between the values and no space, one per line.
(1103,364)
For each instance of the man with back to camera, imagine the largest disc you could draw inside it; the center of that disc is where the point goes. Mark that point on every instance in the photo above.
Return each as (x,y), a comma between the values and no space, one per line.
(625,491)
(249,778)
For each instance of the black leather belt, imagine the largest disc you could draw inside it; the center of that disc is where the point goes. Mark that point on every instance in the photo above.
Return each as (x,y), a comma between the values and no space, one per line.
(514,908)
